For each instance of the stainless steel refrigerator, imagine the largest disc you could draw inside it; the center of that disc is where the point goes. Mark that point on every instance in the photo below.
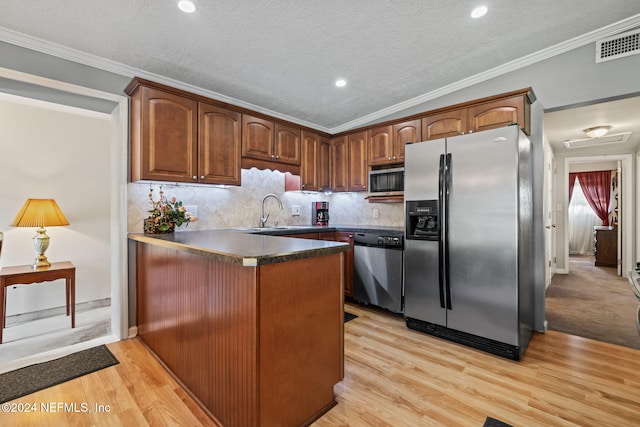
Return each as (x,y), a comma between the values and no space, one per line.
(468,241)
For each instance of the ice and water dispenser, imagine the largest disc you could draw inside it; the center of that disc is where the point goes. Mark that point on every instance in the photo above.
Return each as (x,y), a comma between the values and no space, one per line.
(422,221)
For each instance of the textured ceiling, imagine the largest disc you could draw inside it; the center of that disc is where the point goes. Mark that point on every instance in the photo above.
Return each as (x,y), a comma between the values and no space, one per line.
(283,56)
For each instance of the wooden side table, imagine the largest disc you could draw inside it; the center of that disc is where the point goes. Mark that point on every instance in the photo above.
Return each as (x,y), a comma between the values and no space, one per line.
(26,274)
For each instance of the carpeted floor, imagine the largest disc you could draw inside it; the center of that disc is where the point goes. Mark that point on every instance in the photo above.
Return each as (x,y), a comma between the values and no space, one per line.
(593,302)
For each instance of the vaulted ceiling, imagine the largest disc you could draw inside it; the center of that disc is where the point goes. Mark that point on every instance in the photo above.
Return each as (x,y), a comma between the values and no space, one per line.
(283,56)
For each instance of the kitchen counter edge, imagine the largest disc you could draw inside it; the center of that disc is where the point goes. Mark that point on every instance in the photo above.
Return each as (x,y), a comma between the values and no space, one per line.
(246,249)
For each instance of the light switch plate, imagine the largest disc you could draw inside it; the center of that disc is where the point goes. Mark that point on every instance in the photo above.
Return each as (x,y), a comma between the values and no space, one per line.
(295,210)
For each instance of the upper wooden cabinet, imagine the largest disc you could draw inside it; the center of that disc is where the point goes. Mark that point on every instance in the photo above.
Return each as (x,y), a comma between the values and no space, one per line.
(309,165)
(257,138)
(339,159)
(504,112)
(444,125)
(358,169)
(381,145)
(324,164)
(176,138)
(264,140)
(386,143)
(218,145)
(480,115)
(287,144)
(164,143)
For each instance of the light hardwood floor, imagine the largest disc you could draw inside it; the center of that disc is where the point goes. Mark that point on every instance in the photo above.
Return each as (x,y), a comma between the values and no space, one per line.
(394,377)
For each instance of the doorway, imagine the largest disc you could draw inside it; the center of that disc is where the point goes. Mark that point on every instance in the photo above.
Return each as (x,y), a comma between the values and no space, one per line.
(117,206)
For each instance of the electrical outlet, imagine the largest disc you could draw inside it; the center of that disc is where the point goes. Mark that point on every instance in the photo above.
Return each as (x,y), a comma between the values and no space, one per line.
(376,213)
(295,210)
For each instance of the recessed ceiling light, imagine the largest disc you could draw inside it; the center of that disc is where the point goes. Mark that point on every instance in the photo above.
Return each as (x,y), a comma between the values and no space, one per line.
(479,11)
(341,82)
(597,132)
(186,6)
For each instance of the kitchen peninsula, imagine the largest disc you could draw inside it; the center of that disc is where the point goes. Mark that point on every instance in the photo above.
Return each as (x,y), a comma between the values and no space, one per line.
(250,324)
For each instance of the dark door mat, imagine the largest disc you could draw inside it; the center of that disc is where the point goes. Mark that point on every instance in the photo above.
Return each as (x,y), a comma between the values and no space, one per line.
(27,380)
(492,422)
(348,316)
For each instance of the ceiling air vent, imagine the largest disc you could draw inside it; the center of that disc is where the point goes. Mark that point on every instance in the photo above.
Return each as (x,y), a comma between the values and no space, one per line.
(618,46)
(592,142)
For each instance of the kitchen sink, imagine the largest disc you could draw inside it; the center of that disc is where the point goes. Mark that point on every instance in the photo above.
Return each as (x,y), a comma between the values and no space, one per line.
(272,228)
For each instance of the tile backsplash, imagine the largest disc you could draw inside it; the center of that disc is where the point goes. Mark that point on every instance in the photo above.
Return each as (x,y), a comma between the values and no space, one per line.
(228,207)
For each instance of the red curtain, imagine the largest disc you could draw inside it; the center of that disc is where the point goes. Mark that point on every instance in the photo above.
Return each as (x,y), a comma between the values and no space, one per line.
(572,183)
(596,188)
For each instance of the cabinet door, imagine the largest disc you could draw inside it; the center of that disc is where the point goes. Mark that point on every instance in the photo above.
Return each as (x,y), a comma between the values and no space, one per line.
(257,138)
(324,162)
(347,237)
(309,164)
(497,114)
(218,145)
(380,145)
(287,145)
(444,125)
(358,172)
(339,164)
(409,131)
(168,129)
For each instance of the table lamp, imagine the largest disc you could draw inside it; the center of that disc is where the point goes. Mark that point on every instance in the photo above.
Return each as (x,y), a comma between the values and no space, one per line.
(40,213)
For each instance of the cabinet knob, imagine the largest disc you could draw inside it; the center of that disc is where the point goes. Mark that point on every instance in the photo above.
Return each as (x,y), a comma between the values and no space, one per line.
(202,177)
(394,157)
(195,177)
(273,156)
(388,158)
(277,157)
(470,131)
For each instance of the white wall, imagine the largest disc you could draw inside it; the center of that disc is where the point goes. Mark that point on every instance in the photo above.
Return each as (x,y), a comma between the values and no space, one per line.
(51,151)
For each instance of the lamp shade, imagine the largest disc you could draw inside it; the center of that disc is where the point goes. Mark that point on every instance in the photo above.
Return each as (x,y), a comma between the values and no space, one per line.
(40,213)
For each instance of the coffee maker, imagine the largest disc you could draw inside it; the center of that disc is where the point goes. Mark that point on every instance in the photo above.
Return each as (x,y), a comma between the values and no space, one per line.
(320,213)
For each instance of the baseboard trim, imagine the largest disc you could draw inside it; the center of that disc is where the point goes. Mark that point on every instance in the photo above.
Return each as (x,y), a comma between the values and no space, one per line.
(15,319)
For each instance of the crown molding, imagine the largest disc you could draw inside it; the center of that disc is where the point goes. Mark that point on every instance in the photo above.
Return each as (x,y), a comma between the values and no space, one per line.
(84,58)
(63,52)
(560,48)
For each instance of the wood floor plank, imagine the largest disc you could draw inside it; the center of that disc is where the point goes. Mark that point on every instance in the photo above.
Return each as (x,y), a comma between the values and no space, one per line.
(393,377)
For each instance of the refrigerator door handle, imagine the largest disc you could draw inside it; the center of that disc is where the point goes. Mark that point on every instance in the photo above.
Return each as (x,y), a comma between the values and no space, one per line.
(441,185)
(447,192)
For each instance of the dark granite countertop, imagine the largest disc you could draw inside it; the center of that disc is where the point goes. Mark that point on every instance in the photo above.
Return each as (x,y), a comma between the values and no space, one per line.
(291,229)
(242,246)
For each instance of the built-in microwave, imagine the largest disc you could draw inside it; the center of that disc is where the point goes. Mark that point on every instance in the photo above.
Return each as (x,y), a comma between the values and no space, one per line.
(386,182)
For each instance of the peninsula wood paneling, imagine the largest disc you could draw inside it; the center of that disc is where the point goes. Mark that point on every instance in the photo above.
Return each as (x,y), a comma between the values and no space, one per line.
(255,346)
(201,328)
(288,304)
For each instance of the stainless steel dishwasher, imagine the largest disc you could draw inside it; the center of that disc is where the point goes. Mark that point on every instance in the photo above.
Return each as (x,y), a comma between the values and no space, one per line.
(378,263)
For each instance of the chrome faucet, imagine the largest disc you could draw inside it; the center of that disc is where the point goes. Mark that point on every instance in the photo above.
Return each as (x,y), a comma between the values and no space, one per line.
(263,218)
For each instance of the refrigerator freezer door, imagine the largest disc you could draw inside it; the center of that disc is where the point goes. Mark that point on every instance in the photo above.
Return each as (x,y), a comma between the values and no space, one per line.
(483,234)
(421,170)
(421,287)
(421,282)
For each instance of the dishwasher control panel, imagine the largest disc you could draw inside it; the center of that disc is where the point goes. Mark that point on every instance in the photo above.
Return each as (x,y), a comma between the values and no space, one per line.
(378,240)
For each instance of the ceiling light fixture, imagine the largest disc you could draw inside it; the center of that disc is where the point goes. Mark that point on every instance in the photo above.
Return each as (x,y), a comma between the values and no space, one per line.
(597,131)
(186,6)
(341,82)
(479,12)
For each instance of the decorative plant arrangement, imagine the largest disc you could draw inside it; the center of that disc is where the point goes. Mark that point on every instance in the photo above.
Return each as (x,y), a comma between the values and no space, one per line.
(165,214)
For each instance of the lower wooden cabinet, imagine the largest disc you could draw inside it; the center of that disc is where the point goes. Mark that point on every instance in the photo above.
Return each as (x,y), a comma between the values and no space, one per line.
(336,236)
(346,237)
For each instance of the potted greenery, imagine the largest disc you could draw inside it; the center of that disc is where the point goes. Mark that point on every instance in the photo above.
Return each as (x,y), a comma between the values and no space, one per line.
(165,214)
